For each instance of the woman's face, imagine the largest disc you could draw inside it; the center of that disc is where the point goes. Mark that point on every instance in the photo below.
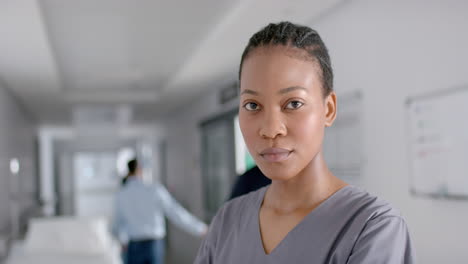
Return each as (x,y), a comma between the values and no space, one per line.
(283,112)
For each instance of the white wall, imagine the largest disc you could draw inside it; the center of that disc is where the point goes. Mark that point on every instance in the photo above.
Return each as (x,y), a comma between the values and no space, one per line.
(16,141)
(391,50)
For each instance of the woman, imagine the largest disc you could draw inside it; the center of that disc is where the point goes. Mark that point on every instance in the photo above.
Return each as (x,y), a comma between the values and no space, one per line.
(306,215)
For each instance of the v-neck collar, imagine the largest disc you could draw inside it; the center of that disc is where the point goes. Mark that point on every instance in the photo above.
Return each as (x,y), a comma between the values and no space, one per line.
(259,240)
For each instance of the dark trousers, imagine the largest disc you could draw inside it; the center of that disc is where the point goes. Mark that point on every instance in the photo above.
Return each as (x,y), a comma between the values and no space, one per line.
(146,252)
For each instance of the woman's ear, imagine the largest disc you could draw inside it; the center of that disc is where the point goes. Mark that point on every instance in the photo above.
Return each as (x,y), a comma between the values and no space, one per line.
(330,109)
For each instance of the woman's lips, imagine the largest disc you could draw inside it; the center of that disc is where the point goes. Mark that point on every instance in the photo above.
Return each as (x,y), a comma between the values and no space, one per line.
(275,154)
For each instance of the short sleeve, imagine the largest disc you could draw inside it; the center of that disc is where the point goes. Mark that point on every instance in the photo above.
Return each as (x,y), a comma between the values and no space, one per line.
(384,240)
(205,253)
(208,246)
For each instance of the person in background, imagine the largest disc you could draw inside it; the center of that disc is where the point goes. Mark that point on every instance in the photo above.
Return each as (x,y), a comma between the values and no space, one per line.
(139,216)
(124,180)
(251,180)
(122,237)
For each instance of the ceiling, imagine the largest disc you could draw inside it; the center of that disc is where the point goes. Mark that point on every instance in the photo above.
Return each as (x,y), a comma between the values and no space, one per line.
(150,56)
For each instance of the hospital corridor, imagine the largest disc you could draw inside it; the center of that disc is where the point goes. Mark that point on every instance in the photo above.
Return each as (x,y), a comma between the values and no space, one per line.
(185,131)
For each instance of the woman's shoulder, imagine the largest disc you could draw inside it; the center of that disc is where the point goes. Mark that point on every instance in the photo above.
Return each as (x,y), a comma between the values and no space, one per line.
(244,204)
(232,216)
(359,200)
(234,211)
(372,203)
(377,228)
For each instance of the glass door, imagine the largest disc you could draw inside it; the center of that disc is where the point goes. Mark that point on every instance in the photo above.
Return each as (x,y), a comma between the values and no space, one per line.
(218,161)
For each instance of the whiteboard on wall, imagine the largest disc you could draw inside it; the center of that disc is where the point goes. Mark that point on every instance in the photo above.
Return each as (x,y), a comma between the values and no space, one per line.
(438,143)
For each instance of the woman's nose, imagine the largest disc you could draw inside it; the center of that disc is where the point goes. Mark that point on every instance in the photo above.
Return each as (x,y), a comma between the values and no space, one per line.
(272,126)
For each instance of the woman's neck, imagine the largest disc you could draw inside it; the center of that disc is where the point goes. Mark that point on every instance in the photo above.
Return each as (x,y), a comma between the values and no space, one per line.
(304,191)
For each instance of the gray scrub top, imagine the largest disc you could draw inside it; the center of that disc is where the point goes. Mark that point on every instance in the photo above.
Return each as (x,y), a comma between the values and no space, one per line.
(351,226)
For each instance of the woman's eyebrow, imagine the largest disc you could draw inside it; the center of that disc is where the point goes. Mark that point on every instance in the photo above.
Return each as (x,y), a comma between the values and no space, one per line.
(247,91)
(290,89)
(282,91)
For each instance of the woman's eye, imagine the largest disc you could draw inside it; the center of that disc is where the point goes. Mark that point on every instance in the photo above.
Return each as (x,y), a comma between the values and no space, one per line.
(294,105)
(251,106)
